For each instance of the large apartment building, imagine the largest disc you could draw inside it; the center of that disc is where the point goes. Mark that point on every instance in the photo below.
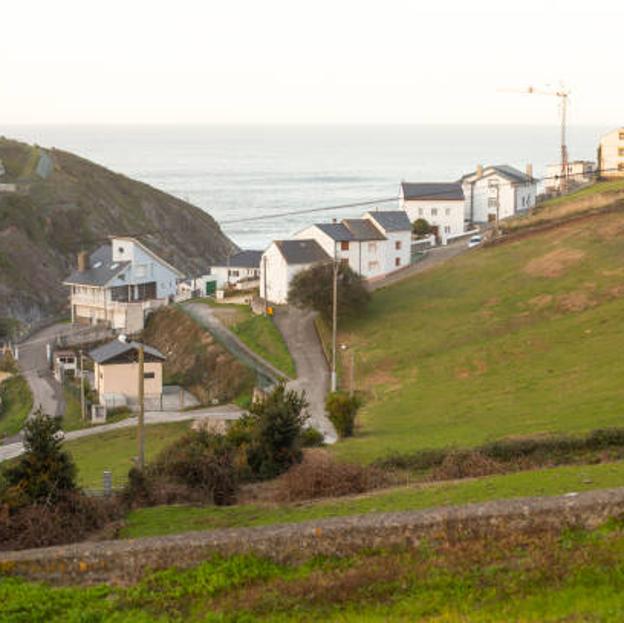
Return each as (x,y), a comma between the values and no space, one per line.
(611,154)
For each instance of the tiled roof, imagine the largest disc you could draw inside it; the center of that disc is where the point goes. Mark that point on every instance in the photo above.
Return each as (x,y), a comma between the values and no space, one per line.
(506,171)
(440,191)
(114,349)
(245,259)
(392,220)
(101,269)
(363,229)
(302,251)
(336,231)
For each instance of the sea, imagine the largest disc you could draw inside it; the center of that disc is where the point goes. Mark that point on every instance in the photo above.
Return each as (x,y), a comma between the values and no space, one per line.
(268,173)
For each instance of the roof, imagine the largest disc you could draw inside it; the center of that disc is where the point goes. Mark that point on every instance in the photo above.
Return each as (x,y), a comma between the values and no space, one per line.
(336,231)
(116,348)
(150,252)
(363,229)
(301,251)
(506,171)
(392,220)
(439,191)
(102,269)
(245,259)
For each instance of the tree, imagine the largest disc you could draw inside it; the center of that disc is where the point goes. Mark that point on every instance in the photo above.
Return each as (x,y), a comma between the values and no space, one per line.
(421,227)
(45,472)
(342,409)
(277,423)
(312,289)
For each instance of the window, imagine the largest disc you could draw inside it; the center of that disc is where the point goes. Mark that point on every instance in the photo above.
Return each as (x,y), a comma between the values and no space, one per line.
(492,183)
(621,166)
(233,273)
(447,229)
(621,151)
(140,271)
(344,261)
(420,211)
(447,211)
(492,202)
(434,211)
(622,136)
(523,201)
(397,261)
(372,247)
(344,245)
(149,375)
(373,267)
(120,250)
(397,245)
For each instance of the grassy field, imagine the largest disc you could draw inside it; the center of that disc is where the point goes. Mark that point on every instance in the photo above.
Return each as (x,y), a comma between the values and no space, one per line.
(16,405)
(115,451)
(555,481)
(574,576)
(517,339)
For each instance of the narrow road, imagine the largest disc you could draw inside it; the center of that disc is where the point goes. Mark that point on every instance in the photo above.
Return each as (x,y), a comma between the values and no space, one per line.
(227,412)
(434,257)
(204,315)
(299,332)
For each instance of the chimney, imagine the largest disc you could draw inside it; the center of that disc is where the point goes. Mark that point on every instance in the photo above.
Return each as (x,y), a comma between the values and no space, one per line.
(529,170)
(83,261)
(479,171)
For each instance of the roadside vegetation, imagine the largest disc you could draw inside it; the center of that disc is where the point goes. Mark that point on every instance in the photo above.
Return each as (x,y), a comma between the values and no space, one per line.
(16,404)
(574,575)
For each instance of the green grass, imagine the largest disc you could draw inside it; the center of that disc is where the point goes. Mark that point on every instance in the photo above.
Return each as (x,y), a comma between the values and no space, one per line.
(72,416)
(16,405)
(555,481)
(485,346)
(588,191)
(575,576)
(261,335)
(115,450)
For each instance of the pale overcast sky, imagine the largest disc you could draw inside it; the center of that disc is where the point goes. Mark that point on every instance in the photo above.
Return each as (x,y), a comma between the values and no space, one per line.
(321,61)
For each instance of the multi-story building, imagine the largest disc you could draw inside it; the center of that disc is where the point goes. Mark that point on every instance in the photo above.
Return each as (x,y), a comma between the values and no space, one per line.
(611,154)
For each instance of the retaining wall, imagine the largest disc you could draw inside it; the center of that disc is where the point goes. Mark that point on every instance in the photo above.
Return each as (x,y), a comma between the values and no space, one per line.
(122,562)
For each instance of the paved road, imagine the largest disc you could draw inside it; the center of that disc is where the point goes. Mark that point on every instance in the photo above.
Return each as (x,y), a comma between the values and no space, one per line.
(298,329)
(434,257)
(226,412)
(203,314)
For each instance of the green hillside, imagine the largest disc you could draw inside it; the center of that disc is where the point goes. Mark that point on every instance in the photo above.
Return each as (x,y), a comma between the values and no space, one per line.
(516,339)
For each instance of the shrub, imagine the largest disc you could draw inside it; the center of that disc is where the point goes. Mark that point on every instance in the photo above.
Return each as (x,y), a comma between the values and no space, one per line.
(342,409)
(45,472)
(275,426)
(313,289)
(466,464)
(319,475)
(311,438)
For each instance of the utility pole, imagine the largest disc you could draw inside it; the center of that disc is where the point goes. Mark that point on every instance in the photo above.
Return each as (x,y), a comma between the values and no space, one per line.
(352,383)
(141,422)
(264,270)
(497,209)
(82,391)
(334,318)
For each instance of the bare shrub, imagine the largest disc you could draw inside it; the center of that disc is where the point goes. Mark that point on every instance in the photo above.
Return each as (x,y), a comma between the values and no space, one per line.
(466,464)
(319,476)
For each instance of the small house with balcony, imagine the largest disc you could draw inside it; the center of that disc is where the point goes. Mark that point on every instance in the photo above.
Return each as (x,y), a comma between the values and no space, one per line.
(119,284)
(241,270)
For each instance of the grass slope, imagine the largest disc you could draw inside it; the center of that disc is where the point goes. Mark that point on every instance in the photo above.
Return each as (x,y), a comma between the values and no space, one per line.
(544,577)
(16,405)
(557,481)
(511,340)
(115,450)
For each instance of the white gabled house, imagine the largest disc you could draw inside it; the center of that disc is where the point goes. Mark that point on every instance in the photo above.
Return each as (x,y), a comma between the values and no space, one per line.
(500,189)
(397,229)
(240,269)
(119,284)
(441,204)
(282,261)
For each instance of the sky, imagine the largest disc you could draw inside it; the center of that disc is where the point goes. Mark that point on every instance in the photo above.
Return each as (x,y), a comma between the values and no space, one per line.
(320,61)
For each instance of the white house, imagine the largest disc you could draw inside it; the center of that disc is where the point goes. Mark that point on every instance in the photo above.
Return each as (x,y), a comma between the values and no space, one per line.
(241,268)
(396,227)
(579,172)
(498,191)
(611,154)
(356,241)
(441,204)
(282,261)
(119,284)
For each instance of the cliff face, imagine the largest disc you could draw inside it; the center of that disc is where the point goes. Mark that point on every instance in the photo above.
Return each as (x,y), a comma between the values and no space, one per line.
(64,203)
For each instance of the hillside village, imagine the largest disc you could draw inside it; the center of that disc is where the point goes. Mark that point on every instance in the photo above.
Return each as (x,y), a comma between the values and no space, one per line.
(428,411)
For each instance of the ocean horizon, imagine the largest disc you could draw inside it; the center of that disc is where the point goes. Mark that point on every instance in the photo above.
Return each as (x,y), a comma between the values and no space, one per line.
(240,171)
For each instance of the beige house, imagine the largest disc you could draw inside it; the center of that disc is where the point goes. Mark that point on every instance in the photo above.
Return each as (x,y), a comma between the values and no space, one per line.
(611,154)
(116,374)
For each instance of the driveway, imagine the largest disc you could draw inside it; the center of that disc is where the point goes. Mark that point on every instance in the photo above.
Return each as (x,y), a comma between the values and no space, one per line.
(297,327)
(226,412)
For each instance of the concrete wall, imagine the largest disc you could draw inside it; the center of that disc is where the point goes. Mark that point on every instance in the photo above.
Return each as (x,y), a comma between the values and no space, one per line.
(122,562)
(124,379)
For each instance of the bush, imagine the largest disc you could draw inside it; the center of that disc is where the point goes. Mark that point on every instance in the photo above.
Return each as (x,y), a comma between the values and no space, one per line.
(466,464)
(321,476)
(45,472)
(311,438)
(342,409)
(313,289)
(421,227)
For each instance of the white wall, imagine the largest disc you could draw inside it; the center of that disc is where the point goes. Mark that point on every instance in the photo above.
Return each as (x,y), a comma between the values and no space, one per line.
(448,216)
(611,161)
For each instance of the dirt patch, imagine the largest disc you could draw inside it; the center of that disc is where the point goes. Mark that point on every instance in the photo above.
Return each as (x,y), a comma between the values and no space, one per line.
(555,263)
(615,291)
(478,367)
(541,301)
(575,301)
(4,376)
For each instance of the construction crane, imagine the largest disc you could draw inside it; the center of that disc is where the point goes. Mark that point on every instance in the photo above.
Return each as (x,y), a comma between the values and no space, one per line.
(562,93)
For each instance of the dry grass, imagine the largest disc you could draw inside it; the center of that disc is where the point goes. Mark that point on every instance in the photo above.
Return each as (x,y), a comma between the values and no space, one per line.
(555,263)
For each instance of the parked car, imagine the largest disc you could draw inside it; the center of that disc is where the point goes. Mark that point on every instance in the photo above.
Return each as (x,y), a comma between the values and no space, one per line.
(474,241)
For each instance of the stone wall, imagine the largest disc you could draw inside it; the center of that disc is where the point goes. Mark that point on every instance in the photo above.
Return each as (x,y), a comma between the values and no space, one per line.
(122,562)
